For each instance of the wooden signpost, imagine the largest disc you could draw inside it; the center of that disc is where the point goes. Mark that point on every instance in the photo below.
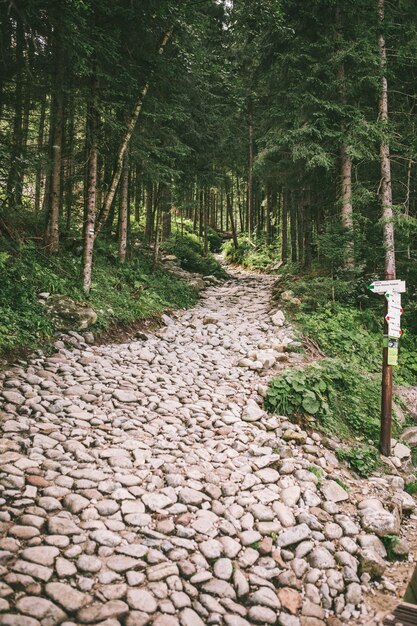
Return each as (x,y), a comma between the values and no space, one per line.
(392,289)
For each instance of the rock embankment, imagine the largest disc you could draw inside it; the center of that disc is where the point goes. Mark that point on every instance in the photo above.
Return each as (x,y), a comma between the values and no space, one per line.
(143,483)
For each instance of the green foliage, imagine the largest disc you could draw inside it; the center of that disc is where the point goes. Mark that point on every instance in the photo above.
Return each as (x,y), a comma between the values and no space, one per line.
(258,257)
(318,473)
(363,459)
(186,227)
(189,251)
(121,294)
(411,488)
(342,400)
(341,484)
(346,320)
(390,542)
(344,332)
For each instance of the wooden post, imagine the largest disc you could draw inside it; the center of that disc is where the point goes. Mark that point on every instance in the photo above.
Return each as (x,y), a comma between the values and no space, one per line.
(388,217)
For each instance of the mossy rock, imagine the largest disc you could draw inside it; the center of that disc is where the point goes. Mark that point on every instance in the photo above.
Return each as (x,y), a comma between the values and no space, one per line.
(67,314)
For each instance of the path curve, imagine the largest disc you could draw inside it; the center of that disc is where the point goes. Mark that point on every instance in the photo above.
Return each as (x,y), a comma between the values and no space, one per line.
(142,483)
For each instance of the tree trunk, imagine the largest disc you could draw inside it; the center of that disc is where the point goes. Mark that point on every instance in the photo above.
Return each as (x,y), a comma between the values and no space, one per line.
(90,213)
(345,158)
(201,215)
(130,126)
(387,215)
(293,228)
(137,193)
(250,175)
(284,240)
(300,231)
(124,209)
(166,215)
(57,113)
(308,232)
(206,210)
(17,142)
(386,183)
(68,178)
(39,146)
(229,207)
(149,213)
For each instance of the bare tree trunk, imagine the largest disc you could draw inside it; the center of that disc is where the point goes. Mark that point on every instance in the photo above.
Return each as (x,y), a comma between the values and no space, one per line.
(388,216)
(284,240)
(57,113)
(124,209)
(39,146)
(130,126)
(195,218)
(137,193)
(17,142)
(69,166)
(300,231)
(346,160)
(386,183)
(166,213)
(201,215)
(149,213)
(90,213)
(293,229)
(250,175)
(206,210)
(268,223)
(229,207)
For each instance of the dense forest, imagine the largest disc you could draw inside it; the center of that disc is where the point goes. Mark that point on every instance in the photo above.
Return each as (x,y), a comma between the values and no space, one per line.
(288,126)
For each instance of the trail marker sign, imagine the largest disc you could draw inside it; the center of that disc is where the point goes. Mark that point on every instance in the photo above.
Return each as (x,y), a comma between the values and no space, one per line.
(392,289)
(387,286)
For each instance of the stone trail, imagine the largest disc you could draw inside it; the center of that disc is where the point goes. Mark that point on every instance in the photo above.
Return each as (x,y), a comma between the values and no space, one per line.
(143,483)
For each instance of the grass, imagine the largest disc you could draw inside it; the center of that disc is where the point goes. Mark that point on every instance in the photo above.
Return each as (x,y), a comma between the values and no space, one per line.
(120,294)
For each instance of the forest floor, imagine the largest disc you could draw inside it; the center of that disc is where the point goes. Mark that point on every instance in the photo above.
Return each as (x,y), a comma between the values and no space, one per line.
(142,483)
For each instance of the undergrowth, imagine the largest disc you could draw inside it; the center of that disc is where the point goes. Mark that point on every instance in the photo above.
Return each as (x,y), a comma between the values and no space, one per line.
(252,255)
(190,252)
(119,294)
(338,397)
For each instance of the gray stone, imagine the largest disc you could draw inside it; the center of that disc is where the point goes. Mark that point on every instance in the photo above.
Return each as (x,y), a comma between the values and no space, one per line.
(69,598)
(141,600)
(98,612)
(41,609)
(188,617)
(293,535)
(333,492)
(44,555)
(252,412)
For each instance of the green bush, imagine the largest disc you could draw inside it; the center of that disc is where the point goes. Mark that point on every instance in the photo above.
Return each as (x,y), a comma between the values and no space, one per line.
(257,257)
(190,252)
(341,399)
(214,240)
(185,227)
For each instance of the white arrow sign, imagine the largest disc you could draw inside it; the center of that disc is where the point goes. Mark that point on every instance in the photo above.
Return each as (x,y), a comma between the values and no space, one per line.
(394,299)
(388,286)
(394,331)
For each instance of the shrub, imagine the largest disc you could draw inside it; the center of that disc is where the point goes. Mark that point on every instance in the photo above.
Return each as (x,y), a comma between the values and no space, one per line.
(363,459)
(190,253)
(340,398)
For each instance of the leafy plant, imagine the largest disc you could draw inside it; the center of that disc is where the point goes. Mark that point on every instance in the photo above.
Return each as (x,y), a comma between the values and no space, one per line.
(363,459)
(390,542)
(318,473)
(411,488)
(340,398)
